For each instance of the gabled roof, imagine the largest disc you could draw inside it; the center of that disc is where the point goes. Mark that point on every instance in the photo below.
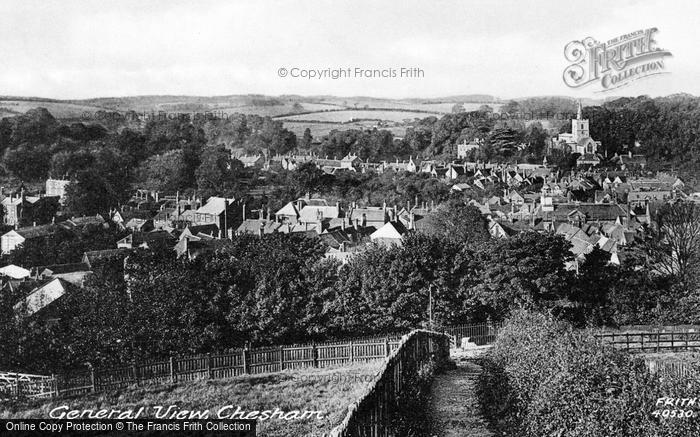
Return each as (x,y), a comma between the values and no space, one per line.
(593,211)
(42,296)
(36,231)
(214,206)
(390,230)
(289,210)
(14,272)
(93,256)
(85,221)
(372,214)
(252,226)
(139,238)
(59,269)
(312,214)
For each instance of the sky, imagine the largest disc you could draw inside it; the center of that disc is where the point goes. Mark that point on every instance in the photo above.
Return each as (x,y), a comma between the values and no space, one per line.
(81,49)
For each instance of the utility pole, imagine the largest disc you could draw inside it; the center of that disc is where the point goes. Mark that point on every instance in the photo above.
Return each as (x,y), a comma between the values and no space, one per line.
(430,306)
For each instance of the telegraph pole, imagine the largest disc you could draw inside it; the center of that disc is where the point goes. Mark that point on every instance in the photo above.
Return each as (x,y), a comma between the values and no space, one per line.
(430,306)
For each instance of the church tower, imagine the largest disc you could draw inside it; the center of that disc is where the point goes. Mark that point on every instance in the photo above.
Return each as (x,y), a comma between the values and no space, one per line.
(579,126)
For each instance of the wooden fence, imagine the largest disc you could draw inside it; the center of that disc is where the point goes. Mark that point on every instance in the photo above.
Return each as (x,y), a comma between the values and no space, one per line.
(652,341)
(211,366)
(673,369)
(481,334)
(372,415)
(22,385)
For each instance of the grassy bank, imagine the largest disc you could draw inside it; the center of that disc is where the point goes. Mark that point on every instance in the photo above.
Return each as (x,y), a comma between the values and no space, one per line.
(330,390)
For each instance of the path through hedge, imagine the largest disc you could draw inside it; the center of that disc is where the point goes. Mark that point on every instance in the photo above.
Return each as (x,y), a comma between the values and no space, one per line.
(453,403)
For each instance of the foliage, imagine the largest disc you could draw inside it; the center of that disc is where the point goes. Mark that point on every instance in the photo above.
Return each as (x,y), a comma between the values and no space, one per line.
(545,378)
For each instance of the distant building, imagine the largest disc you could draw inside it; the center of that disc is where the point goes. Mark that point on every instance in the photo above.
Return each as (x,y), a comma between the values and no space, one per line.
(29,210)
(579,141)
(464,148)
(16,237)
(57,187)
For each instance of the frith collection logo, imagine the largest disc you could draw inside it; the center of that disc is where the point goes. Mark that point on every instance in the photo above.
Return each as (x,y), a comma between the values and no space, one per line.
(615,63)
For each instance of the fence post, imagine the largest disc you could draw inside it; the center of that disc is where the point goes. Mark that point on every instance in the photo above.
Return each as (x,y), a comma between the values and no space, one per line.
(54,386)
(245,360)
(172,369)
(314,354)
(352,352)
(658,339)
(281,358)
(135,372)
(92,378)
(209,365)
(387,346)
(627,339)
(672,341)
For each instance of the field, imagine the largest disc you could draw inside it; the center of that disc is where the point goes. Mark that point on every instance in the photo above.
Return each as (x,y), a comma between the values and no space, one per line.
(248,104)
(60,110)
(318,130)
(345,116)
(331,390)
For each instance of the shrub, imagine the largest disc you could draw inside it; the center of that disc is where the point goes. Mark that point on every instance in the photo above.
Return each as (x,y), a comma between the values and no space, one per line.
(545,378)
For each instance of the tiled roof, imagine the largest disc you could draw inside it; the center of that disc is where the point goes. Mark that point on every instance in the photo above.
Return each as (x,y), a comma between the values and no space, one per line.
(36,231)
(214,206)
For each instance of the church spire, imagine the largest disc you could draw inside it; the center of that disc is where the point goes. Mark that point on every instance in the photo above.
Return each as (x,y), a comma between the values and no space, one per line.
(579,116)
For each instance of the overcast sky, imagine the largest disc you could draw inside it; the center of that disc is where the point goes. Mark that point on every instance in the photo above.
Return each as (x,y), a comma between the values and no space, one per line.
(80,49)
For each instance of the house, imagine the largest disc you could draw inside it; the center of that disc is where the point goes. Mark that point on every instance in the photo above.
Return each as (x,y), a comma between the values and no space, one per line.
(14,272)
(289,213)
(95,258)
(316,213)
(454,171)
(29,210)
(139,225)
(74,273)
(132,217)
(194,246)
(464,148)
(630,161)
(460,187)
(10,240)
(224,213)
(257,161)
(350,162)
(41,297)
(146,240)
(576,213)
(391,233)
(368,216)
(515,198)
(81,222)
(57,188)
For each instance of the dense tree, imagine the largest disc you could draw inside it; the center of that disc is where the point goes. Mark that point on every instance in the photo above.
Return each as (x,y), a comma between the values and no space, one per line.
(218,173)
(165,172)
(457,221)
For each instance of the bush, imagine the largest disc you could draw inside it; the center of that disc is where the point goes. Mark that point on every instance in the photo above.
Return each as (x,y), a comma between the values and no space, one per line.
(544,378)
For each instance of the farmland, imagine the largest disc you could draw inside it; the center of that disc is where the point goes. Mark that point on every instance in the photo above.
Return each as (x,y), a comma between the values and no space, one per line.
(330,389)
(60,110)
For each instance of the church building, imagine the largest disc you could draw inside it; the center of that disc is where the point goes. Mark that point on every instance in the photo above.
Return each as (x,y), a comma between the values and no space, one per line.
(579,141)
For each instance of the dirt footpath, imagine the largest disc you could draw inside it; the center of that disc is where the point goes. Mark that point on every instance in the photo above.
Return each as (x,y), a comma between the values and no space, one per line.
(453,403)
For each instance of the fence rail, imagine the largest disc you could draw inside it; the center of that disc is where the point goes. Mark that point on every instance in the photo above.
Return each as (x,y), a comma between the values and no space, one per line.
(24,385)
(208,366)
(226,365)
(373,414)
(481,334)
(673,369)
(652,341)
